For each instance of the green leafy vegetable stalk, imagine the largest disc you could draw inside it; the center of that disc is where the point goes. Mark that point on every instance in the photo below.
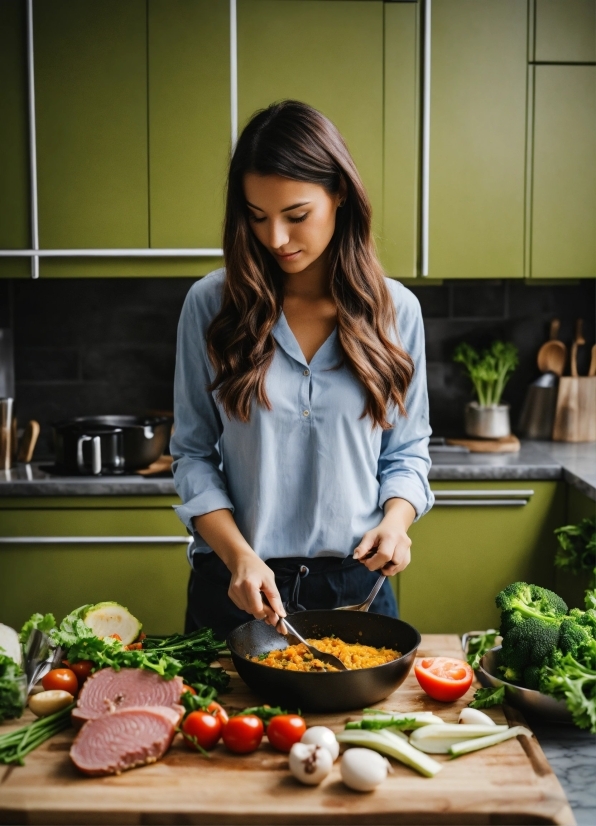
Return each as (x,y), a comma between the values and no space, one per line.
(12,699)
(16,745)
(487,697)
(577,548)
(41,622)
(488,371)
(478,645)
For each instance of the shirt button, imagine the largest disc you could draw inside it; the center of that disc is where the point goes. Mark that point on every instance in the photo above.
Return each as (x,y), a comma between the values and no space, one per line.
(305,413)
(306,372)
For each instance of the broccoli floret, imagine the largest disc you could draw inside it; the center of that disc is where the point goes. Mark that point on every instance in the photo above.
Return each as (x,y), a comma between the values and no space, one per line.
(531,601)
(530,643)
(509,621)
(531,677)
(587,619)
(573,636)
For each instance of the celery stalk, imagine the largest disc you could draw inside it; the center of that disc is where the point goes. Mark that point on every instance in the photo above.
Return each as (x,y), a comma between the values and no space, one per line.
(387,742)
(484,742)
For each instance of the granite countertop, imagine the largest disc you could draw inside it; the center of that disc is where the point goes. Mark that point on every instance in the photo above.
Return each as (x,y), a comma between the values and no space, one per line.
(575,463)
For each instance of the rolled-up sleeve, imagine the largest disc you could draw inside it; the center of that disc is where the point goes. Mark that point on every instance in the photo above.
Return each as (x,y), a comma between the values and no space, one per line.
(404,461)
(195,444)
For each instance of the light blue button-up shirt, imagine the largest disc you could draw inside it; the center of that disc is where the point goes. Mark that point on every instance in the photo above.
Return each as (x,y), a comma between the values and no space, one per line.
(310,476)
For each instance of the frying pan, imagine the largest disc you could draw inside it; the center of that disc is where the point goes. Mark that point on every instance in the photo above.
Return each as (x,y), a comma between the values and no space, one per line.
(328,690)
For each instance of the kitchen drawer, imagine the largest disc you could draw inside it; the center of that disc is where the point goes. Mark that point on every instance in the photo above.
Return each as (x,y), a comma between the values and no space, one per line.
(479,537)
(62,558)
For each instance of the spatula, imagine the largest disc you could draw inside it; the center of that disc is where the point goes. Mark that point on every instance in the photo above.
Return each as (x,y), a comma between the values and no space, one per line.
(330,659)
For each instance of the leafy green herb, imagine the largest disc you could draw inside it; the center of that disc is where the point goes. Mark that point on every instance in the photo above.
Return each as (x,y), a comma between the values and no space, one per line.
(488,371)
(16,745)
(12,699)
(43,622)
(266,713)
(577,547)
(198,702)
(487,697)
(478,645)
(263,656)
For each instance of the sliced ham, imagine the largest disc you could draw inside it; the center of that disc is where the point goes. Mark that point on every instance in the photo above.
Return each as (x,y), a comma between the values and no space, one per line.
(133,736)
(108,691)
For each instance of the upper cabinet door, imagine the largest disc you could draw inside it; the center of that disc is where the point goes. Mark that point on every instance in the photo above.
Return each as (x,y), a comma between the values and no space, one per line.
(189,121)
(565,31)
(477,138)
(563,229)
(91,102)
(399,241)
(15,230)
(328,53)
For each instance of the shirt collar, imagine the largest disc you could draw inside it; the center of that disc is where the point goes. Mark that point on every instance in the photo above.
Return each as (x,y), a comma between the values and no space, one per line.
(328,355)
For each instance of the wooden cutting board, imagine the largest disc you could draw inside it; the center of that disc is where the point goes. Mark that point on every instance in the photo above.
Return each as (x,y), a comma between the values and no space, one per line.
(506,444)
(509,783)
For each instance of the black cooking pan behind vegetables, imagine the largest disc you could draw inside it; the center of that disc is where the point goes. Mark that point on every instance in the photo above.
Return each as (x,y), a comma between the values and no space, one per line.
(329,690)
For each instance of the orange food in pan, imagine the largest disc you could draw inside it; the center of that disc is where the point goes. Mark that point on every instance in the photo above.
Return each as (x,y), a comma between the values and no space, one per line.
(352,655)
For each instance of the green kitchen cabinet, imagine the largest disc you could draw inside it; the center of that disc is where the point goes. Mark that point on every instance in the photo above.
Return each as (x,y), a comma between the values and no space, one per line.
(14,136)
(399,241)
(471,545)
(189,124)
(565,31)
(328,53)
(563,196)
(91,109)
(477,138)
(148,577)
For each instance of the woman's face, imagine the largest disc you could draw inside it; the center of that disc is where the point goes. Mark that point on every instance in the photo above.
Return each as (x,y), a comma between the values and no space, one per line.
(294,220)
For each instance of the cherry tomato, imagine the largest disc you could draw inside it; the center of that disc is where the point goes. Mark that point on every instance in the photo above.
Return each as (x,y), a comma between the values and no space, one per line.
(188,688)
(218,711)
(443,678)
(243,734)
(82,669)
(285,730)
(61,678)
(203,728)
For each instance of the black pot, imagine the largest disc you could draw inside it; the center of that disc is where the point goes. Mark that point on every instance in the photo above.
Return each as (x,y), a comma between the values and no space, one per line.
(92,445)
(329,690)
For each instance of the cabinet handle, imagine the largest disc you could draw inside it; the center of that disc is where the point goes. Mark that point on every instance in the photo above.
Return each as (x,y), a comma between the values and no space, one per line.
(483,503)
(96,540)
(477,494)
(425,160)
(32,143)
(233,73)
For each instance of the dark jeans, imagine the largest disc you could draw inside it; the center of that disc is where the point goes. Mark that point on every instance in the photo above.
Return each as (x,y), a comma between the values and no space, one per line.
(324,582)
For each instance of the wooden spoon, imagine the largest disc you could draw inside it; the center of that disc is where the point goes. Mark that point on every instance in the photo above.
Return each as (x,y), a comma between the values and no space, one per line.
(577,342)
(553,354)
(28,442)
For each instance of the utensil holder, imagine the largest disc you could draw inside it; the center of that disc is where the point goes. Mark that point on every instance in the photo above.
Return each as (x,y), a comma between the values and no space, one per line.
(575,417)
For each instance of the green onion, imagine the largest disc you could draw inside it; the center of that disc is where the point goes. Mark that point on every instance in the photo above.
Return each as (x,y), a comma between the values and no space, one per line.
(16,745)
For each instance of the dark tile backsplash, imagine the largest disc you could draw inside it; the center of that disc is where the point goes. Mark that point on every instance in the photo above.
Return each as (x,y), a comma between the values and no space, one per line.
(95,346)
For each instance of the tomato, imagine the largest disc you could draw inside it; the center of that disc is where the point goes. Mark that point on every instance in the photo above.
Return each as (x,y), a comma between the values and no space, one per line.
(218,711)
(443,678)
(203,728)
(243,734)
(61,679)
(285,730)
(81,670)
(188,688)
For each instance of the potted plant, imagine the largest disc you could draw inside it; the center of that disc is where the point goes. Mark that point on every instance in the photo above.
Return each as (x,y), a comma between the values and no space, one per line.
(489,372)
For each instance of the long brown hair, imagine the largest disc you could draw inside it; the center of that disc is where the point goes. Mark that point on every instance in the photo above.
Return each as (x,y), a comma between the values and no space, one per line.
(293,140)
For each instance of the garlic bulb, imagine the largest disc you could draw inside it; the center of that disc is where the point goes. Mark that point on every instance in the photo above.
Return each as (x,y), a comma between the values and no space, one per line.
(310,764)
(363,769)
(473,717)
(323,737)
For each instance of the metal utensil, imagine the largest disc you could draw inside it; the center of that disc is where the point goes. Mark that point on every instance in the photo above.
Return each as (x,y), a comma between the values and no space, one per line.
(577,342)
(553,354)
(538,412)
(37,656)
(364,606)
(330,659)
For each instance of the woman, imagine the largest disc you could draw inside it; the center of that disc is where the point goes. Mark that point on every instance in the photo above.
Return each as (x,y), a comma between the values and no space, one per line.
(301,440)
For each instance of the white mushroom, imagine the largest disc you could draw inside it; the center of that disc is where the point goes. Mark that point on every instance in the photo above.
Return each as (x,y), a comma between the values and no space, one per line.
(323,737)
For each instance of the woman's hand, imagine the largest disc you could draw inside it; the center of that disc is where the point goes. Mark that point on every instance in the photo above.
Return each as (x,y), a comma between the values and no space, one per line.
(251,578)
(386,548)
